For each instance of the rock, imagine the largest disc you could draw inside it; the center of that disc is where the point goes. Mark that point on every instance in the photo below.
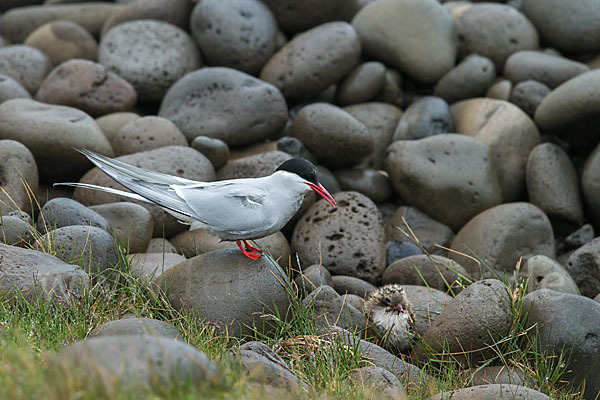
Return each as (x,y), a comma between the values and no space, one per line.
(498,374)
(392,88)
(87,86)
(150,266)
(110,124)
(496,31)
(427,304)
(255,166)
(147,133)
(294,147)
(131,224)
(313,60)
(381,120)
(344,284)
(568,324)
(160,245)
(424,174)
(348,239)
(201,103)
(416,37)
(545,273)
(148,362)
(379,381)
(172,160)
(264,365)
(471,78)
(27,65)
(425,117)
(215,150)
(355,301)
(231,290)
(397,250)
(62,211)
(494,391)
(372,183)
(329,310)
(470,323)
(500,236)
(16,231)
(176,12)
(427,270)
(239,34)
(328,180)
(51,132)
(62,41)
(565,26)
(18,23)
(581,236)
(500,90)
(295,16)
(528,95)
(136,326)
(548,69)
(149,54)
(11,89)
(362,83)
(32,274)
(584,267)
(18,177)
(328,131)
(313,277)
(509,133)
(428,233)
(590,185)
(553,186)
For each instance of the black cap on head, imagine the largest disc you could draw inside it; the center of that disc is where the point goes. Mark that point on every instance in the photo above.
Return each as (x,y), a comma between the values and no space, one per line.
(301,167)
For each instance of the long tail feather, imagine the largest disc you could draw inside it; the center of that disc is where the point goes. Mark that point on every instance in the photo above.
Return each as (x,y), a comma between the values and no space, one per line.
(105,189)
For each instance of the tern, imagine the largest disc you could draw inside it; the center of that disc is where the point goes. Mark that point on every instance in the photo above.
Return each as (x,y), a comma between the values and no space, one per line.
(233,210)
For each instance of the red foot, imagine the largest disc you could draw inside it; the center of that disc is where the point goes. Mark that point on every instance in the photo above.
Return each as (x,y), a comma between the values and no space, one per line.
(250,254)
(250,247)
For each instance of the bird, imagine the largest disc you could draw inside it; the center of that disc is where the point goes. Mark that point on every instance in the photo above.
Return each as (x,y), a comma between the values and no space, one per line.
(392,315)
(233,210)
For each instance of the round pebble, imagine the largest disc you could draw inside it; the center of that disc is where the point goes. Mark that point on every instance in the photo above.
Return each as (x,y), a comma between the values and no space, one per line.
(427,116)
(136,326)
(60,212)
(147,133)
(254,166)
(500,90)
(344,284)
(27,65)
(110,124)
(215,150)
(373,184)
(590,184)
(528,95)
(397,249)
(471,78)
(11,89)
(546,273)
(176,12)
(549,69)
(362,83)
(312,277)
(18,177)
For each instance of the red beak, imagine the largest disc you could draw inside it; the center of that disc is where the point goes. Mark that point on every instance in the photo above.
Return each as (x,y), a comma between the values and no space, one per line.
(323,193)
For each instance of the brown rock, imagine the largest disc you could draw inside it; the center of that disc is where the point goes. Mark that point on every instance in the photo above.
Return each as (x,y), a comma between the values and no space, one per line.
(147,133)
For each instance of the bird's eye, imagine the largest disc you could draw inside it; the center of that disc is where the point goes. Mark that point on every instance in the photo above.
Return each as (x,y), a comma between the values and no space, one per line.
(386,302)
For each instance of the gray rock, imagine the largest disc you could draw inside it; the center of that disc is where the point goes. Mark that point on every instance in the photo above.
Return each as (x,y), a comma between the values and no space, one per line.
(427,304)
(136,326)
(60,212)
(372,183)
(131,224)
(392,89)
(494,391)
(549,69)
(214,149)
(590,185)
(160,245)
(176,12)
(397,250)
(553,186)
(379,381)
(355,301)
(500,90)
(471,78)
(147,133)
(584,267)
(312,277)
(546,273)
(500,236)
(498,374)
(32,274)
(254,166)
(11,89)
(569,324)
(581,236)
(362,83)
(344,284)
(424,174)
(238,34)
(425,117)
(19,177)
(110,124)
(51,132)
(151,55)
(16,231)
(231,289)
(294,16)
(416,37)
(328,132)
(201,103)
(348,239)
(294,147)
(528,95)
(149,266)
(25,64)
(329,310)
(264,365)
(313,60)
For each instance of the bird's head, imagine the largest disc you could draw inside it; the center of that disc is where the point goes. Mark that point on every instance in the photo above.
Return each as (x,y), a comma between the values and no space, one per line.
(391,298)
(309,175)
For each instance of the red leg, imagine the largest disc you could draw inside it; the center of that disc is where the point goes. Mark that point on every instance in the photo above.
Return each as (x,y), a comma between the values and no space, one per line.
(250,247)
(249,254)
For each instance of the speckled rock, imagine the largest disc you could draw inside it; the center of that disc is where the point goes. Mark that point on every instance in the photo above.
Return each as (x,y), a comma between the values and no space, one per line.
(88,86)
(348,238)
(416,37)
(553,186)
(215,150)
(362,83)
(131,224)
(50,132)
(230,290)
(579,237)
(110,124)
(11,89)
(176,12)
(329,310)
(424,173)
(239,34)
(313,60)
(16,231)
(378,381)
(509,133)
(151,55)
(493,391)
(590,185)
(300,15)
(63,211)
(328,132)
(25,64)
(528,95)
(35,274)
(425,117)
(160,245)
(202,103)
(500,236)
(136,326)
(478,316)
(147,133)
(344,284)
(255,166)
(312,277)
(150,266)
(500,90)
(495,374)
(427,304)
(546,273)
(62,41)
(549,69)
(471,78)
(372,183)
(584,267)
(18,177)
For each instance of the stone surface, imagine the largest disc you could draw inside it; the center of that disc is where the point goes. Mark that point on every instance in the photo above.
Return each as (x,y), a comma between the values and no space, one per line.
(227,288)
(500,90)
(497,374)
(549,69)
(313,60)
(110,124)
(471,78)
(344,284)
(546,273)
(528,95)
(239,34)
(18,177)
(51,132)
(362,83)
(416,37)
(442,173)
(160,245)
(590,185)
(293,16)
(425,117)
(11,89)
(202,103)
(176,12)
(493,391)
(427,304)
(381,382)
(214,149)
(131,224)
(255,166)
(329,310)
(150,266)
(16,231)
(348,239)
(584,267)
(25,64)
(62,211)
(397,250)
(310,278)
(579,237)
(149,54)
(136,326)
(500,236)
(392,88)
(88,86)
(372,183)
(147,133)
(34,274)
